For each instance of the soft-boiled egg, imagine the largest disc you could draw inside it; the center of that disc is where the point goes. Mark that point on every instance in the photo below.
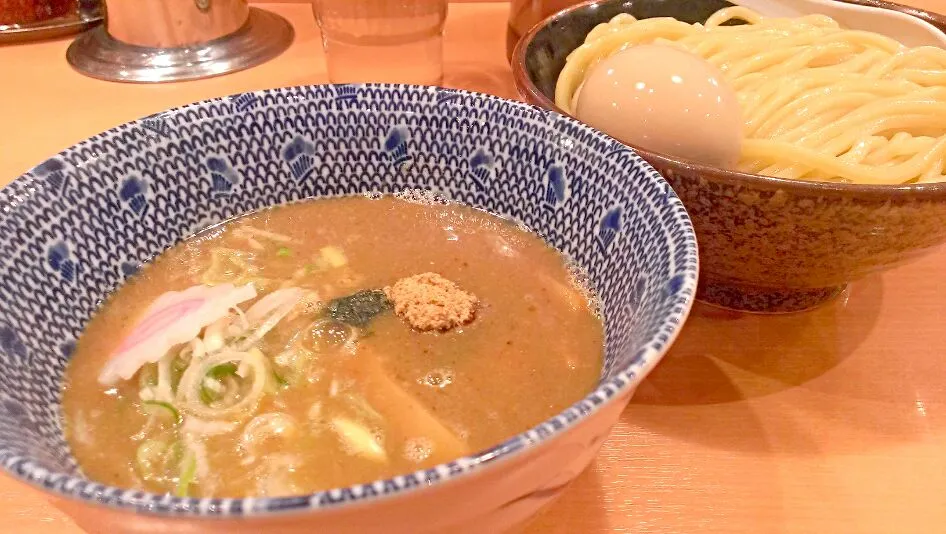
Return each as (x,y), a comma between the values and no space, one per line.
(665,100)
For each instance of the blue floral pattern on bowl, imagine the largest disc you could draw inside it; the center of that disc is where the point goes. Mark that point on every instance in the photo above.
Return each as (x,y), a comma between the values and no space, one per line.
(75,227)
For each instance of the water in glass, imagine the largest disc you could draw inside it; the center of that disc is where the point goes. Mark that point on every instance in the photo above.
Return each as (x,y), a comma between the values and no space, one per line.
(397,41)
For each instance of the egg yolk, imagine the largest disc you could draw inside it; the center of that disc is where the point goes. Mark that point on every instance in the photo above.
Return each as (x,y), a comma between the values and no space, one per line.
(664,100)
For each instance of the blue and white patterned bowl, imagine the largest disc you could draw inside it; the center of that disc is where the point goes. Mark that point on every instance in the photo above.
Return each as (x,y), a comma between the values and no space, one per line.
(75,227)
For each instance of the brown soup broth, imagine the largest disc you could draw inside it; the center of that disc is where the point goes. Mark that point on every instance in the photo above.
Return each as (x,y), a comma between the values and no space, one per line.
(416,398)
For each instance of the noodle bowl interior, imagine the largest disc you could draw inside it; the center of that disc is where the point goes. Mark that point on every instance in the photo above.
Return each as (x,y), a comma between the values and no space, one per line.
(327,343)
(816,101)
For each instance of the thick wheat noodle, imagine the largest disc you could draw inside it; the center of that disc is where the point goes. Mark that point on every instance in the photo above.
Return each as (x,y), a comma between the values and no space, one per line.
(819,102)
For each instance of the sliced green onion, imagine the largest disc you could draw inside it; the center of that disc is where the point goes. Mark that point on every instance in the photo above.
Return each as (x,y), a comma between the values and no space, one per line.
(187,474)
(189,393)
(219,372)
(284,252)
(163,411)
(211,387)
(208,396)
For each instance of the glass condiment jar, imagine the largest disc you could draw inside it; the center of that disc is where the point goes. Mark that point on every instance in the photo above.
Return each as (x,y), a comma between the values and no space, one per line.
(524,14)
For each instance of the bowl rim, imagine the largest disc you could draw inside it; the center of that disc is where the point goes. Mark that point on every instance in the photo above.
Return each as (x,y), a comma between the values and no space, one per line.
(916,191)
(650,351)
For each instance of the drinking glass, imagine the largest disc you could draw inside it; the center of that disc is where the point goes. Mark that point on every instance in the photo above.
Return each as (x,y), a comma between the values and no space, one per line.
(394,41)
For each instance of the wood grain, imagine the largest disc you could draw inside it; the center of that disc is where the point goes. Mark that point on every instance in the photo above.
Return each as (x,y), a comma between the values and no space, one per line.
(833,421)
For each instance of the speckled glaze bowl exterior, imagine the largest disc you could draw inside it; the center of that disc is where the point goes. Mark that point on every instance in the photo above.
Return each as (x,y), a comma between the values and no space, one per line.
(766,244)
(78,225)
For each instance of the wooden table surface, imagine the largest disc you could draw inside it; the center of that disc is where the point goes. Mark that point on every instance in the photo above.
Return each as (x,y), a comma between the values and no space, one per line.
(828,422)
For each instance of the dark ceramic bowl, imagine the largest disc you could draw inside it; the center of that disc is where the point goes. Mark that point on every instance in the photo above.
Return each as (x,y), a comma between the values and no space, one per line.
(766,244)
